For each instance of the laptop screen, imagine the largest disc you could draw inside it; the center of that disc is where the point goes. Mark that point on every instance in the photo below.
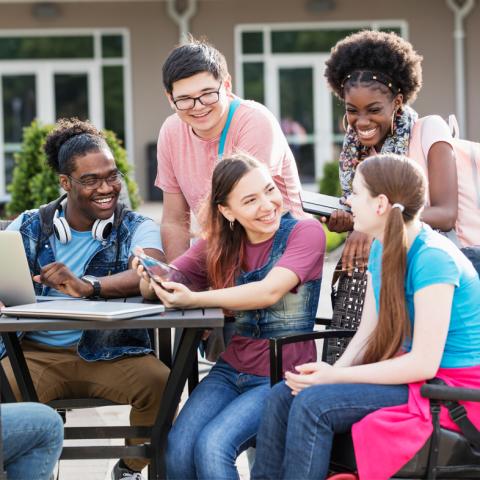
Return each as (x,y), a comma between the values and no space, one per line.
(16,287)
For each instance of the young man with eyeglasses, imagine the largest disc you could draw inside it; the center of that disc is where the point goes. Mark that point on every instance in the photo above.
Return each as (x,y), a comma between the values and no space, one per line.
(81,245)
(209,121)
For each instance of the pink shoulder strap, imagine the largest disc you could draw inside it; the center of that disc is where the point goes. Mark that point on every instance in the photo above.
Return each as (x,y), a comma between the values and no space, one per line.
(415,150)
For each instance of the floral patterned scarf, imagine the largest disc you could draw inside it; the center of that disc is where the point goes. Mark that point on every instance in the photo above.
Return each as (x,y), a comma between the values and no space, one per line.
(353,152)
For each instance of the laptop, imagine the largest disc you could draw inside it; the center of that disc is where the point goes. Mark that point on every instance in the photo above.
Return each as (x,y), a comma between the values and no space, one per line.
(18,294)
(320,204)
(16,285)
(84,310)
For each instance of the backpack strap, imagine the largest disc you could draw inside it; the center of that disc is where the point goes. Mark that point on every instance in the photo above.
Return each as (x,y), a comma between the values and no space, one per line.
(458,414)
(223,137)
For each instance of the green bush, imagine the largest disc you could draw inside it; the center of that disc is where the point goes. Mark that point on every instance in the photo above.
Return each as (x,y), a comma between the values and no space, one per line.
(120,155)
(330,183)
(334,239)
(35,183)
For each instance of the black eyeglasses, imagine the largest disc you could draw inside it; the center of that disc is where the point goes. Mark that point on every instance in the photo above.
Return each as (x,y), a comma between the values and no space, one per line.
(92,183)
(205,99)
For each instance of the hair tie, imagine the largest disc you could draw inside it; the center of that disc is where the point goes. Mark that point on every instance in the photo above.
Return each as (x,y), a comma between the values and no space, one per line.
(399,206)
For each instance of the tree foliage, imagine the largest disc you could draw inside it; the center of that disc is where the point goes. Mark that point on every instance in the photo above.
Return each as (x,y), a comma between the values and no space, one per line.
(330,182)
(34,183)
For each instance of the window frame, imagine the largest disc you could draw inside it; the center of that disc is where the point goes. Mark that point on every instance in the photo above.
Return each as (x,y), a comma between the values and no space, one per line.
(267,28)
(92,66)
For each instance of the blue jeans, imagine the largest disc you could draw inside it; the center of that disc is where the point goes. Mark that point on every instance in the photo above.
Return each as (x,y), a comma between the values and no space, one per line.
(295,436)
(218,422)
(32,436)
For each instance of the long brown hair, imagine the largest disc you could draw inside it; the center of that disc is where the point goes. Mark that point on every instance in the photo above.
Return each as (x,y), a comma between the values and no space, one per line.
(226,242)
(403,182)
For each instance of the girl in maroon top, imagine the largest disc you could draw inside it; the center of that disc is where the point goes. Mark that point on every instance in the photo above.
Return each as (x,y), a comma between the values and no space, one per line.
(264,266)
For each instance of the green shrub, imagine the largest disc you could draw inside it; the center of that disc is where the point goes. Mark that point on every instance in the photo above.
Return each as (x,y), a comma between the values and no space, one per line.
(31,173)
(120,155)
(334,239)
(35,183)
(330,183)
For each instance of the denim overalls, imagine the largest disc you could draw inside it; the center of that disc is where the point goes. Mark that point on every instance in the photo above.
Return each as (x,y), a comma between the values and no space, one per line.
(294,312)
(111,257)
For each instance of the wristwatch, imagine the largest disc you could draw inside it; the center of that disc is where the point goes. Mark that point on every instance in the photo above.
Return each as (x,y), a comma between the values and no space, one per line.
(95,283)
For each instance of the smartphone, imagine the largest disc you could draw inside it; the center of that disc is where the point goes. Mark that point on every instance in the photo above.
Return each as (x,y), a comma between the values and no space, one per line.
(158,270)
(320,204)
(154,268)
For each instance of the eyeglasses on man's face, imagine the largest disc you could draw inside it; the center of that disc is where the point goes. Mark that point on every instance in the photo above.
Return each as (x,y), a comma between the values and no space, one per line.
(205,99)
(92,183)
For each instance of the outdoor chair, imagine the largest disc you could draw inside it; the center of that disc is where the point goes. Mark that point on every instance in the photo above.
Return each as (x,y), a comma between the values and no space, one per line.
(163,352)
(163,346)
(447,454)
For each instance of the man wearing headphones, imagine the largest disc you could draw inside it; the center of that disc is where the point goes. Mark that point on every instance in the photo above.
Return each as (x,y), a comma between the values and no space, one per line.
(81,245)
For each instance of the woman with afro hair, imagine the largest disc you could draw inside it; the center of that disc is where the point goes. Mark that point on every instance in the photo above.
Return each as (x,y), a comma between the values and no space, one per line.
(378,75)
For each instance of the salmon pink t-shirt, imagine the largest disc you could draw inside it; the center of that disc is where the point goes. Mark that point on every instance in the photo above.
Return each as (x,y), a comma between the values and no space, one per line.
(303,255)
(186,161)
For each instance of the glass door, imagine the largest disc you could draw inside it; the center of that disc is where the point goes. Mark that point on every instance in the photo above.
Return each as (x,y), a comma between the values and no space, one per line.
(18,107)
(70,89)
(71,95)
(299,97)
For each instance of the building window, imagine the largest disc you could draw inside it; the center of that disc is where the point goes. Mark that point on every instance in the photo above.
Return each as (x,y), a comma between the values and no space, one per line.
(42,48)
(49,75)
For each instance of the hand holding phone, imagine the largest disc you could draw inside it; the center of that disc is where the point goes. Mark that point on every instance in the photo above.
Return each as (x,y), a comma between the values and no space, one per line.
(160,271)
(320,204)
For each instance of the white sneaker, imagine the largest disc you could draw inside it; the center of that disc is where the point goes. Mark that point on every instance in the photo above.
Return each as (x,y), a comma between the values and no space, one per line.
(124,473)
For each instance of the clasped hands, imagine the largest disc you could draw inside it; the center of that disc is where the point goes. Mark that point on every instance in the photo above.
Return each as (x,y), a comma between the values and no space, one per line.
(309,374)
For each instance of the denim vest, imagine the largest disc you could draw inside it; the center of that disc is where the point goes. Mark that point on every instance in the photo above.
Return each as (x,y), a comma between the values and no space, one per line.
(294,312)
(111,257)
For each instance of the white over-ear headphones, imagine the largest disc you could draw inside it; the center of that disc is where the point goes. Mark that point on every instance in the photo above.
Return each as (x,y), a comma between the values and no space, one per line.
(101,229)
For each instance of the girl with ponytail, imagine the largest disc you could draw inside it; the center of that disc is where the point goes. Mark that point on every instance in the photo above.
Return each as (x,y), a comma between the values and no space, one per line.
(264,267)
(421,319)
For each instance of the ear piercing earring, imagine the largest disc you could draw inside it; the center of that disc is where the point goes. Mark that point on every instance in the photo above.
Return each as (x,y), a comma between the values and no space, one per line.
(345,123)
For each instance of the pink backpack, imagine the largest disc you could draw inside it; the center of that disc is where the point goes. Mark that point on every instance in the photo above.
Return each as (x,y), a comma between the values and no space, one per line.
(467,156)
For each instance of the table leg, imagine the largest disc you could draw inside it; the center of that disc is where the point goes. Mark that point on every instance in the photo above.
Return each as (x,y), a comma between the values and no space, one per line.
(182,364)
(6,393)
(19,366)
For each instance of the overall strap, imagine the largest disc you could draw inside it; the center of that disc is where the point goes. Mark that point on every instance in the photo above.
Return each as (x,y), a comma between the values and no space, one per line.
(223,137)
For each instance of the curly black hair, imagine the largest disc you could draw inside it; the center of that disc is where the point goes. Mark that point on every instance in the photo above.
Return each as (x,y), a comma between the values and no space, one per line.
(375,52)
(72,138)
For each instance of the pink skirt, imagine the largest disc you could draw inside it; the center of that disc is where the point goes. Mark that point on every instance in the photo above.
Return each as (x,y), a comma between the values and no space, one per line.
(388,438)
